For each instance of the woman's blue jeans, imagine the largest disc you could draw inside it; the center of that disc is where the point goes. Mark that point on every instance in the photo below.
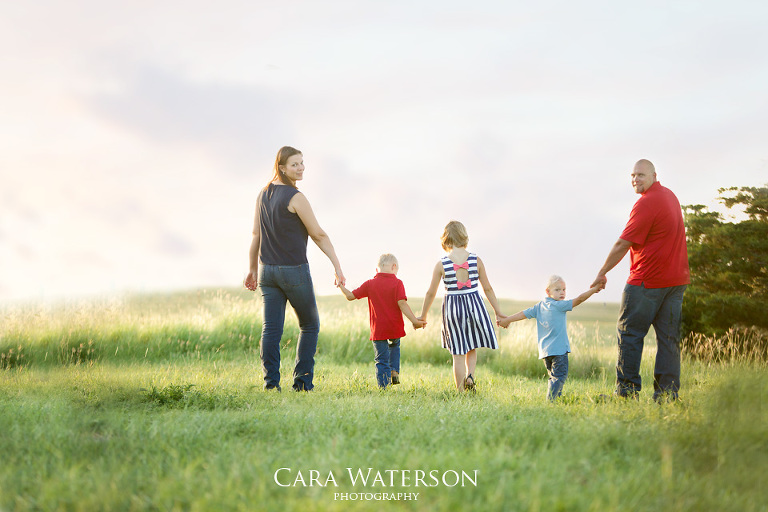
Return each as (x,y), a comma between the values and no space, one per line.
(280,284)
(642,307)
(387,360)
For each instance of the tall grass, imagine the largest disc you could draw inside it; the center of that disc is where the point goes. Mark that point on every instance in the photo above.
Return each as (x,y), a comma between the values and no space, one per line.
(227,323)
(155,327)
(738,344)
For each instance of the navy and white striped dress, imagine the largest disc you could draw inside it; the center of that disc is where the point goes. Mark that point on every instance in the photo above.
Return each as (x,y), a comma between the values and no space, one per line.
(466,323)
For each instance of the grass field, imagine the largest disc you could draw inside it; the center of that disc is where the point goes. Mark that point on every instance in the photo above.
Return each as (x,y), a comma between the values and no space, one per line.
(155,403)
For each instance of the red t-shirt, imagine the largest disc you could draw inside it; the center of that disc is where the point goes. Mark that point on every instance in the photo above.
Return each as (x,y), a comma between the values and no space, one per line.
(383,292)
(658,255)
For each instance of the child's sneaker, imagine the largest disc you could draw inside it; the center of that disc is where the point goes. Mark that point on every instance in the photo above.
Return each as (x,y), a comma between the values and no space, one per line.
(395,377)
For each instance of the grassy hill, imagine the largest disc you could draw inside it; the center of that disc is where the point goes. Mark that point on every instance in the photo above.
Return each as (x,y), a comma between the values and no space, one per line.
(154,402)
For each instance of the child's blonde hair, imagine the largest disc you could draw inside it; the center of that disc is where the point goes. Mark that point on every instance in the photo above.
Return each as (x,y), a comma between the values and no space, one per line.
(554,278)
(386,259)
(454,235)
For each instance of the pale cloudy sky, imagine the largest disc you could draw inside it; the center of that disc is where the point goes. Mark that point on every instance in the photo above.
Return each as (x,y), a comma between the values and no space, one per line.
(135,136)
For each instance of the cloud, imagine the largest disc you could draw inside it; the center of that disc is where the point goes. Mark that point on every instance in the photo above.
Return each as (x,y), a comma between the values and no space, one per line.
(172,244)
(138,134)
(235,123)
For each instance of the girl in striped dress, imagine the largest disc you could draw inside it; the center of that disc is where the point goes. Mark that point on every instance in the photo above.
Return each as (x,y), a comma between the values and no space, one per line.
(466,323)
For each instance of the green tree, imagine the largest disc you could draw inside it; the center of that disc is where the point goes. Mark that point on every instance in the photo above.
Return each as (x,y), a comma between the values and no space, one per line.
(729,264)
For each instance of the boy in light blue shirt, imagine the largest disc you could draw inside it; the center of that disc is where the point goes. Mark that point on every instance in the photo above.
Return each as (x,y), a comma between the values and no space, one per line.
(552,332)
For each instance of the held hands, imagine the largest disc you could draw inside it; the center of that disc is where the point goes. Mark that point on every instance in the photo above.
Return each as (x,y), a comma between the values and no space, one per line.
(339,279)
(600,281)
(503,321)
(419,324)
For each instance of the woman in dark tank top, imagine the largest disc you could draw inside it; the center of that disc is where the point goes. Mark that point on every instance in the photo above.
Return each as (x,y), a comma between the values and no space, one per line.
(283,222)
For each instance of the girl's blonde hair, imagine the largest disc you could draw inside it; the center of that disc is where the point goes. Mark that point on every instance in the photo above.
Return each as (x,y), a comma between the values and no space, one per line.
(454,235)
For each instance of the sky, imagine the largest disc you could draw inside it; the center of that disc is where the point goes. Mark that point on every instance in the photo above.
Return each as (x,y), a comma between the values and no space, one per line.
(135,136)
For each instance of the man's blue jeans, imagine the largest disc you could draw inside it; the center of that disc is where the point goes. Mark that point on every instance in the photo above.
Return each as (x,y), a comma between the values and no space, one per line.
(557,368)
(280,284)
(642,307)
(387,360)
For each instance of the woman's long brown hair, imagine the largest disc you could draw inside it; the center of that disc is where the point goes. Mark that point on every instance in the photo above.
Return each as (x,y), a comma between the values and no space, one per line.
(283,155)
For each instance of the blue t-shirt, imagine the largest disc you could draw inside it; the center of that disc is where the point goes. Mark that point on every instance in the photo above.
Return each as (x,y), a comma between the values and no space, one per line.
(550,323)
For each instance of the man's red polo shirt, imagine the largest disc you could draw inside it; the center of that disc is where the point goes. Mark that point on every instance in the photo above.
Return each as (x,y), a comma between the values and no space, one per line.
(658,255)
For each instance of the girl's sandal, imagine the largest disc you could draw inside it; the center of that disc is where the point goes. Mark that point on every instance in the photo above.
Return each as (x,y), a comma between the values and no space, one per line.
(469,383)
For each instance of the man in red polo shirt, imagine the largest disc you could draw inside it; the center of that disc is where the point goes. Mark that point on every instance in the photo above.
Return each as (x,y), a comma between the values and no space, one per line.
(387,304)
(653,295)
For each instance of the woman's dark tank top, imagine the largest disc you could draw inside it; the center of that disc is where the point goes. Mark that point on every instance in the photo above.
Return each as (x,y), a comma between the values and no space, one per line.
(283,235)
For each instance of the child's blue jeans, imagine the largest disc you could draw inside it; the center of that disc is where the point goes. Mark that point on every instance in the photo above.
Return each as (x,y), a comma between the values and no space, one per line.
(387,360)
(557,368)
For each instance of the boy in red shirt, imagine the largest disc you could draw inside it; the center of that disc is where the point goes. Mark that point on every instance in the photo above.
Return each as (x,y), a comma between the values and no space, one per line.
(386,305)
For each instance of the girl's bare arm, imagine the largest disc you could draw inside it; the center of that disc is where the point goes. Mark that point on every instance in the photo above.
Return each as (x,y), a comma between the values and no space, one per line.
(429,298)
